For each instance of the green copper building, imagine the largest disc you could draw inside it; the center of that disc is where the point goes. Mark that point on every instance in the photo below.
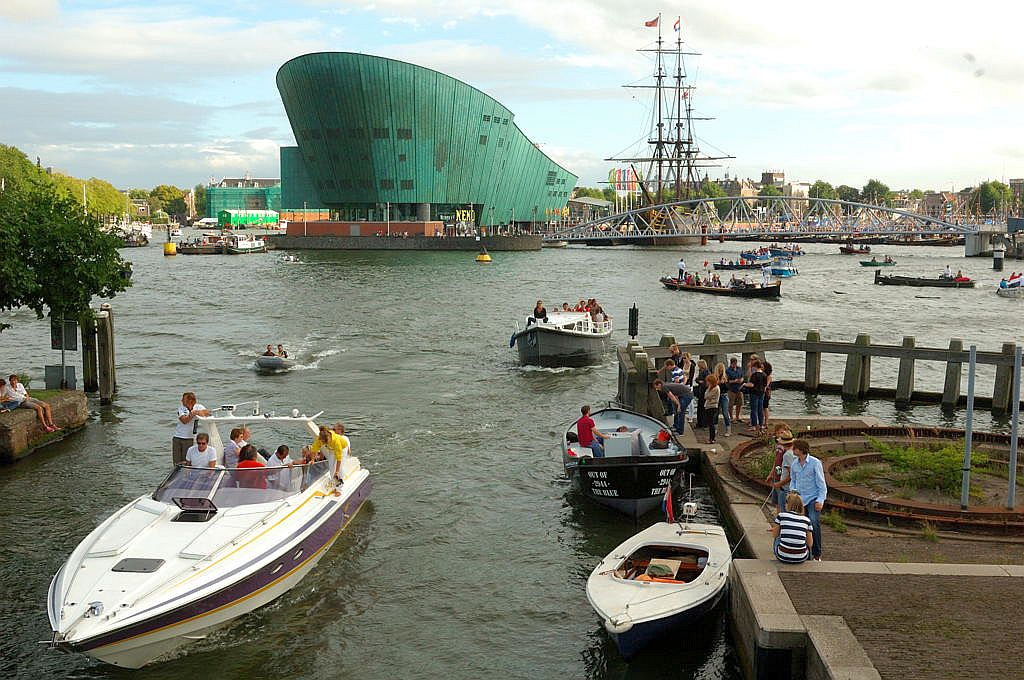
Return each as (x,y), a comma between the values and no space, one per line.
(373,131)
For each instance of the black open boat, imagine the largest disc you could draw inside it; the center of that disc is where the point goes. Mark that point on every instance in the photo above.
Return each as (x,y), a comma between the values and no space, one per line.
(773,290)
(916,282)
(736,265)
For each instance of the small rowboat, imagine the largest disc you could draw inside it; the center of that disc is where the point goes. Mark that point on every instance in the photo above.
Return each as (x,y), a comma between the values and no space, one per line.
(877,263)
(859,250)
(771,291)
(1015,293)
(918,282)
(736,266)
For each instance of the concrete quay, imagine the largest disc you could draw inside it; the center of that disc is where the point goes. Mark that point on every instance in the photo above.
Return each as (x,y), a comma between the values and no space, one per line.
(21,433)
(874,609)
(464,243)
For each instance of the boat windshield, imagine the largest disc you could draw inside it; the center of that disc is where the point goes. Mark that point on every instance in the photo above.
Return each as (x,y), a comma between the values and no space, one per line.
(240,486)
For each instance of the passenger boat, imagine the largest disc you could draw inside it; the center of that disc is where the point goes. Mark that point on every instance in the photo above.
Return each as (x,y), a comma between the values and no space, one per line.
(274,364)
(851,250)
(783,271)
(240,244)
(920,282)
(207,244)
(664,578)
(207,546)
(632,476)
(757,256)
(563,339)
(878,263)
(1015,293)
(175,231)
(735,266)
(772,290)
(786,252)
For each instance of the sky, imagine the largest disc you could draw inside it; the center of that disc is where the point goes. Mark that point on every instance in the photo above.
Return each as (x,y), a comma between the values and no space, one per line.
(918,95)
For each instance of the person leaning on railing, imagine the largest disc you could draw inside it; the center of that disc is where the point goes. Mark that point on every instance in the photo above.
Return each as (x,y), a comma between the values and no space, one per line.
(338,445)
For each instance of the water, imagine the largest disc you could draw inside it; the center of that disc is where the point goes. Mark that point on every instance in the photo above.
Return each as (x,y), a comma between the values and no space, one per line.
(473,554)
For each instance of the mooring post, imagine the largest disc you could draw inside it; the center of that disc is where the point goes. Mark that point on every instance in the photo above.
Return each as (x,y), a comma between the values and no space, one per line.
(711,339)
(965,484)
(1011,496)
(90,382)
(751,336)
(113,355)
(905,378)
(812,364)
(643,383)
(857,379)
(954,369)
(667,341)
(1002,390)
(103,341)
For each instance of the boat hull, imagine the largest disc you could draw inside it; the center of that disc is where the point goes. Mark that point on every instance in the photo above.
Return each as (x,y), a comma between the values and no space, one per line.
(641,635)
(546,346)
(772,291)
(1012,293)
(246,251)
(633,486)
(919,283)
(854,251)
(274,364)
(140,643)
(212,249)
(868,263)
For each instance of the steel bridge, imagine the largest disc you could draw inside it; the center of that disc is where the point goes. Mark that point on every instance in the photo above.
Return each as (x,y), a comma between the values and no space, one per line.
(772,217)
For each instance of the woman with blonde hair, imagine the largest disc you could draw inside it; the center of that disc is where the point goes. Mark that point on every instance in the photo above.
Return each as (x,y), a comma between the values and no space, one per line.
(792,532)
(712,397)
(723,401)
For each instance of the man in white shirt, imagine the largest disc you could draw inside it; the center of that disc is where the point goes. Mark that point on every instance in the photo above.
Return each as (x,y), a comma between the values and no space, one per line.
(202,455)
(185,428)
(280,479)
(17,396)
(681,266)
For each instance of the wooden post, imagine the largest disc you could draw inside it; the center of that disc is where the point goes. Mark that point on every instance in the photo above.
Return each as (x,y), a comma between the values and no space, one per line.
(643,383)
(667,341)
(857,378)
(954,369)
(110,329)
(104,340)
(711,338)
(751,336)
(1002,390)
(90,381)
(905,378)
(812,364)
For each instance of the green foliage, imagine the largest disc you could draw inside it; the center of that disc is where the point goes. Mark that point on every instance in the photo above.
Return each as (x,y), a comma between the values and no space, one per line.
(934,466)
(876,193)
(859,474)
(200,192)
(769,190)
(580,192)
(822,189)
(102,198)
(709,189)
(52,256)
(17,170)
(993,196)
(916,194)
(138,193)
(848,194)
(928,532)
(834,519)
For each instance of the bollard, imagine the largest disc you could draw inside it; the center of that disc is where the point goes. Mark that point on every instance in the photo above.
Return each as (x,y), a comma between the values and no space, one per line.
(90,381)
(643,383)
(113,356)
(954,369)
(998,251)
(1002,389)
(103,341)
(751,336)
(812,364)
(667,341)
(857,379)
(711,338)
(905,378)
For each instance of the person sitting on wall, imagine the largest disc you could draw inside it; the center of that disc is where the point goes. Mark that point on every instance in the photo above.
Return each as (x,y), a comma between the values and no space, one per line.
(15,392)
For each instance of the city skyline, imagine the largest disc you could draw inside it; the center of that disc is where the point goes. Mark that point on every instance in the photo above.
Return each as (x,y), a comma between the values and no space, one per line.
(182,92)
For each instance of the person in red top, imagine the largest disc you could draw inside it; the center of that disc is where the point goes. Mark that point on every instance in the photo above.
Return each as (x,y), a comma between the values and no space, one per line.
(588,434)
(254,479)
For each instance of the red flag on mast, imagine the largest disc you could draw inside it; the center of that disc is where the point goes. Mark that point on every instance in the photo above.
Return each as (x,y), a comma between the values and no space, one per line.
(653,22)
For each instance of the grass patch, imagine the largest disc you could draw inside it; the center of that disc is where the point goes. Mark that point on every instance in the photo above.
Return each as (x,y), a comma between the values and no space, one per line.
(760,464)
(933,466)
(44,395)
(928,532)
(834,519)
(859,474)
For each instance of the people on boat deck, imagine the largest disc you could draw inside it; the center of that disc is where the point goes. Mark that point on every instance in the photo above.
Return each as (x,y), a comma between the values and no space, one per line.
(538,314)
(681,266)
(793,533)
(281,353)
(888,259)
(15,396)
(566,307)
(588,434)
(1014,281)
(280,459)
(251,474)
(948,274)
(337,444)
(234,444)
(581,306)
(186,427)
(270,351)
(201,454)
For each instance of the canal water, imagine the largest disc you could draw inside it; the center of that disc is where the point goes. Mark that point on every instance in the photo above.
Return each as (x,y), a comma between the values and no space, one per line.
(472,557)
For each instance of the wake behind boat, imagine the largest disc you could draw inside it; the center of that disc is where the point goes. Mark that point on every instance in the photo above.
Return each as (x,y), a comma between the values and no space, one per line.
(562,338)
(209,545)
(663,578)
(632,476)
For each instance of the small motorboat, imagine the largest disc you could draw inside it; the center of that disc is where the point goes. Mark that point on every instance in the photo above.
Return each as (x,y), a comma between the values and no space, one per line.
(666,577)
(772,290)
(274,364)
(888,262)
(209,545)
(729,266)
(207,244)
(554,244)
(290,258)
(632,476)
(562,339)
(174,231)
(240,244)
(1014,293)
(756,255)
(852,250)
(921,282)
(783,271)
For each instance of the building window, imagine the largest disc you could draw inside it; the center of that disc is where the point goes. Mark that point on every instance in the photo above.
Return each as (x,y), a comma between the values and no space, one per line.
(501,142)
(387,184)
(364,157)
(504,121)
(401,158)
(497,121)
(336,158)
(328,183)
(404,133)
(357,132)
(550,180)
(365,184)
(483,139)
(487,119)
(380,133)
(406,184)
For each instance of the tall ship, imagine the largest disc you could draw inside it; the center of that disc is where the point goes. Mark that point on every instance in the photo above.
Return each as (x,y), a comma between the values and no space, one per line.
(667,166)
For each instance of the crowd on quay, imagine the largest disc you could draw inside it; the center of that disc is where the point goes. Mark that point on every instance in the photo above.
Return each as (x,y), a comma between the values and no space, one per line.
(14,395)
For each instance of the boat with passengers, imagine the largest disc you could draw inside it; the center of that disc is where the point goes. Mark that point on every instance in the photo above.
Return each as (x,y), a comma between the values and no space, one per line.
(562,338)
(208,545)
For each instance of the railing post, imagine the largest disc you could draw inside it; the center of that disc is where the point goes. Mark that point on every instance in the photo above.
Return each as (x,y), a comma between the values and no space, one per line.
(812,364)
(965,483)
(857,379)
(1011,496)
(954,369)
(90,380)
(905,378)
(711,338)
(1003,388)
(751,336)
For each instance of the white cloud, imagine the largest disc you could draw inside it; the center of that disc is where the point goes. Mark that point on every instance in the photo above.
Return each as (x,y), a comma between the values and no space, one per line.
(28,10)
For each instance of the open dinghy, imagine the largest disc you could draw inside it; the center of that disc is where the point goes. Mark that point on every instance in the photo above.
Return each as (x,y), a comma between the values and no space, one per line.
(663,578)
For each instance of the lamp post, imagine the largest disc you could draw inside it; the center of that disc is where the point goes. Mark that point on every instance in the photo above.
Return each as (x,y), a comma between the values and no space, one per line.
(304,219)
(389,217)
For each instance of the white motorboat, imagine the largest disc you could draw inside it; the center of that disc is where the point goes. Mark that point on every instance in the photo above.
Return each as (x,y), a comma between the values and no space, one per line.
(1014,293)
(241,244)
(175,231)
(207,546)
(665,577)
(562,339)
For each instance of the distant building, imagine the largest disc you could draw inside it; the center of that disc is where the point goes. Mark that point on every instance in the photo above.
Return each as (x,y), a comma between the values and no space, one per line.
(742,188)
(140,207)
(776,178)
(1017,197)
(584,208)
(243,193)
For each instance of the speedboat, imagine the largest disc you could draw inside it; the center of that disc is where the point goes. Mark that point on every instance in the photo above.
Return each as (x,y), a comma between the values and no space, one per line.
(562,339)
(665,577)
(632,476)
(274,364)
(209,545)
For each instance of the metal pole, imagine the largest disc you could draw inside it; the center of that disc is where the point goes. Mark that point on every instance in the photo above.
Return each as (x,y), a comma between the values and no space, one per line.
(304,219)
(389,217)
(1011,496)
(965,485)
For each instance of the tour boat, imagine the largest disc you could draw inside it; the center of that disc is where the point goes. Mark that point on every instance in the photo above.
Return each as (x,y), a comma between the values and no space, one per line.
(274,364)
(240,244)
(207,244)
(632,476)
(755,255)
(772,290)
(921,282)
(209,545)
(175,231)
(783,271)
(786,252)
(563,339)
(666,577)
(858,250)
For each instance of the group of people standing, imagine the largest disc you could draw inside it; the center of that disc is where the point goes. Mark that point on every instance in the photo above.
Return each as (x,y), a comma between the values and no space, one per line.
(798,493)
(718,391)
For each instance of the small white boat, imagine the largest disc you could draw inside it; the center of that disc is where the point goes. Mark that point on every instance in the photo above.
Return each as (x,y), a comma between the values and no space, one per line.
(663,578)
(240,244)
(563,339)
(209,545)
(1015,293)
(175,232)
(554,244)
(290,258)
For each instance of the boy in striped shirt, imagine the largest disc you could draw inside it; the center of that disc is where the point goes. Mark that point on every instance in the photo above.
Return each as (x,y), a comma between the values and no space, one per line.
(792,532)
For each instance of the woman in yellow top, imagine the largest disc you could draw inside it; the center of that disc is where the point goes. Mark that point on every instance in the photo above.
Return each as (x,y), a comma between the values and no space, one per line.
(338,444)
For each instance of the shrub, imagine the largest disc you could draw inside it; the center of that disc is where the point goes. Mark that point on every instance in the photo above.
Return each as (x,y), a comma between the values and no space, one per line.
(834,519)
(937,466)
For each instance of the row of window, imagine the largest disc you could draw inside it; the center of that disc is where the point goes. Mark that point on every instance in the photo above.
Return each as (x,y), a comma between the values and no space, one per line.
(558,194)
(496,120)
(483,141)
(355,133)
(404,185)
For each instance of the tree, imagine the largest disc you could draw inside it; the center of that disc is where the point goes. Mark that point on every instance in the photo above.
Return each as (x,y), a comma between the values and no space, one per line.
(709,189)
(169,198)
(52,256)
(822,189)
(16,169)
(138,193)
(993,196)
(200,191)
(769,190)
(876,193)
(916,194)
(847,193)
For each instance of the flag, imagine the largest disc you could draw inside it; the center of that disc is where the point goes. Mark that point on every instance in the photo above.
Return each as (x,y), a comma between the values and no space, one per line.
(653,22)
(675,26)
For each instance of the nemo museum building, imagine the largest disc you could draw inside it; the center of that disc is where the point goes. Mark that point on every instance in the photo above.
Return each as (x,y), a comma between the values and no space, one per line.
(395,151)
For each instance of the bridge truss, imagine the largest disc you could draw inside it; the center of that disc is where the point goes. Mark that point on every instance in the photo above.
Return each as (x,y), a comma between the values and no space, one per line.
(767,216)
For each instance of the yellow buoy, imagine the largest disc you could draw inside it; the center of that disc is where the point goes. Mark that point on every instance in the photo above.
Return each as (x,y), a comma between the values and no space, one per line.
(170,248)
(483,257)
